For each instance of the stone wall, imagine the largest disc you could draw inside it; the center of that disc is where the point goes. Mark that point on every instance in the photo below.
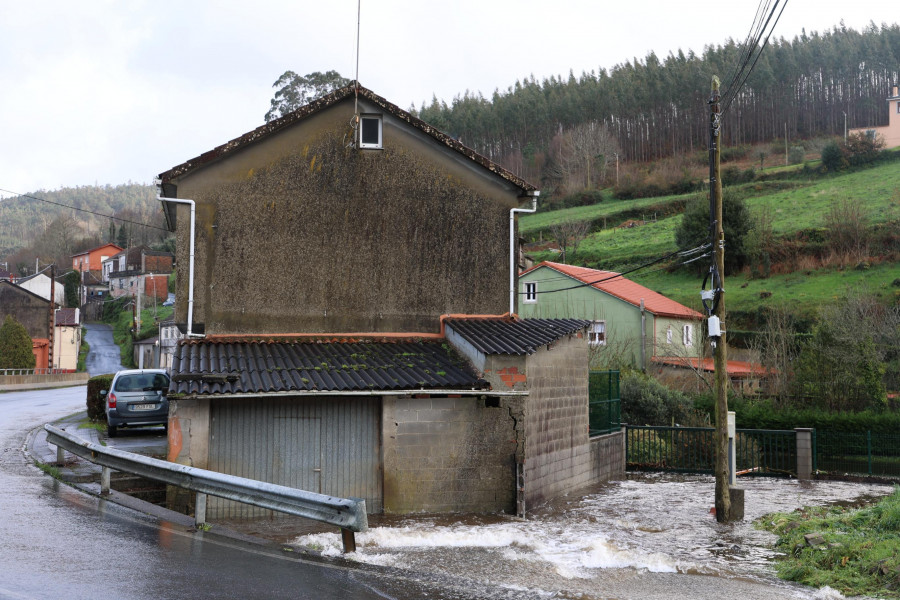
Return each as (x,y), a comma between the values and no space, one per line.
(450,454)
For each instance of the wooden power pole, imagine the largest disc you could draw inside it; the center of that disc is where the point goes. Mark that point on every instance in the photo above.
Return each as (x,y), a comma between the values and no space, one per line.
(723,494)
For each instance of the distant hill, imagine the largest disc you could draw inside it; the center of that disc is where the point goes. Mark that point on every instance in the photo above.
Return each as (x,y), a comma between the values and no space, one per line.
(24,220)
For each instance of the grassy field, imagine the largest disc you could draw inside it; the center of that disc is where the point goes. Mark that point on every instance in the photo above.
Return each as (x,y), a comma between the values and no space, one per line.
(852,550)
(794,206)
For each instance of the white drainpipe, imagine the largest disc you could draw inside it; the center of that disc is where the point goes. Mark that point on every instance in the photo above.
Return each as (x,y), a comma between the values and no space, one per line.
(512,247)
(190,310)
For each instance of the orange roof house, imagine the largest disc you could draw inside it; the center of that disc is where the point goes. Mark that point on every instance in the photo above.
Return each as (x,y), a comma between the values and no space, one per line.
(631,323)
(90,260)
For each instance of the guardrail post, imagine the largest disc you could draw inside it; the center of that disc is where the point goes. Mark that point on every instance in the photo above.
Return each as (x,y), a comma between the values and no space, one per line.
(60,457)
(349,539)
(200,509)
(104,480)
(804,452)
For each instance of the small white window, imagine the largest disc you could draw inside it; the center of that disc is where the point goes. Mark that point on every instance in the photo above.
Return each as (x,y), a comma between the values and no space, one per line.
(688,335)
(530,291)
(370,131)
(597,333)
(669,335)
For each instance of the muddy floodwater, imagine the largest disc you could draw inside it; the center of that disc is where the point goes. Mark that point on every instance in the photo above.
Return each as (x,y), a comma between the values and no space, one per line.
(647,524)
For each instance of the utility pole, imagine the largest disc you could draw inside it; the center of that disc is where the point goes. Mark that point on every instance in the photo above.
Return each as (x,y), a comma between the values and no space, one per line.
(52,316)
(723,494)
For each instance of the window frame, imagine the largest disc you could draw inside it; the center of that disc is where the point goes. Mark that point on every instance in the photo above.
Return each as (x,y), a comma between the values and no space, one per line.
(669,335)
(597,327)
(687,335)
(529,292)
(380,121)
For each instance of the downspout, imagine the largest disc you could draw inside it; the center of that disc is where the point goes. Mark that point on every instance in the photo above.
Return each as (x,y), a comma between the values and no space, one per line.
(643,337)
(512,247)
(190,310)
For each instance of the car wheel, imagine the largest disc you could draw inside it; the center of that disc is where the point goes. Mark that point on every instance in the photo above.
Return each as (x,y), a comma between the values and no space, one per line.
(112,430)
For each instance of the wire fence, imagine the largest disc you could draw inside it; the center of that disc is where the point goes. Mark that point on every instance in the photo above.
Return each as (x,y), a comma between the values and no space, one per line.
(604,404)
(692,450)
(866,453)
(763,451)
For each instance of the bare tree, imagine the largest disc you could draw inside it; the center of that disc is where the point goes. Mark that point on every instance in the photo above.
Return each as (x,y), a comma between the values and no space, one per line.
(777,349)
(585,151)
(569,235)
(847,228)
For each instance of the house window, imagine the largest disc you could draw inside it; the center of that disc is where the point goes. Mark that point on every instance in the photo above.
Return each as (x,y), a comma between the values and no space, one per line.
(370,131)
(597,333)
(688,335)
(669,335)
(530,291)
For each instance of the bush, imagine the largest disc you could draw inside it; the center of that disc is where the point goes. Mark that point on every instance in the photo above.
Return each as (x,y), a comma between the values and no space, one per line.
(796,155)
(15,346)
(645,401)
(694,229)
(833,157)
(96,404)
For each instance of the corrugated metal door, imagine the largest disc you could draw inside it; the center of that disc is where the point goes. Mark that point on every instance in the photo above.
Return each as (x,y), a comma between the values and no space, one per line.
(330,446)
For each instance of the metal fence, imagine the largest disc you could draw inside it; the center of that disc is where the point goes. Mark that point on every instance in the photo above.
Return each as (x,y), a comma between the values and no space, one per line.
(859,453)
(604,404)
(692,450)
(45,371)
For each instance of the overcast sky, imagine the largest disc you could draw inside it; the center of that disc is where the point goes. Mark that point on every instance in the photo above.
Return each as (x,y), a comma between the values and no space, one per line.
(113,91)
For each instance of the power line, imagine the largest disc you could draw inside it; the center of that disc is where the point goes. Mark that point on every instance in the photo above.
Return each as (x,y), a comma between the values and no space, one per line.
(85,210)
(752,48)
(617,275)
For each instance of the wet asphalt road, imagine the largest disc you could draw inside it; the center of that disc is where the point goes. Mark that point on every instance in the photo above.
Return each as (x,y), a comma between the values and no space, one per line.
(104,356)
(57,542)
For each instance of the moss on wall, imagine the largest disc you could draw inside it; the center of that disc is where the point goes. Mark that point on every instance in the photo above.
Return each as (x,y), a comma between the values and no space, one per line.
(334,239)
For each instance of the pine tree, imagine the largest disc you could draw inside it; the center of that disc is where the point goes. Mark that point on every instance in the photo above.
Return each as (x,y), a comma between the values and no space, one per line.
(15,346)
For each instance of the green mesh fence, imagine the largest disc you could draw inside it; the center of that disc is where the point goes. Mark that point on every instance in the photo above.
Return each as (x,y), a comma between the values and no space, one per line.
(604,404)
(692,450)
(857,453)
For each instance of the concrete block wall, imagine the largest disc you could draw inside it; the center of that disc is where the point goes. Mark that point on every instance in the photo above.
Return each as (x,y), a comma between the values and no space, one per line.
(449,454)
(555,450)
(188,441)
(608,457)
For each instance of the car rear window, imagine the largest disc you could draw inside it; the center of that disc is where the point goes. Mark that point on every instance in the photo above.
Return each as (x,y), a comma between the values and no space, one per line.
(146,383)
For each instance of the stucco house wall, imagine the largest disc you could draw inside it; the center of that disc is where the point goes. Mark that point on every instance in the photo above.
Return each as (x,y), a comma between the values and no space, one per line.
(890,132)
(561,297)
(311,236)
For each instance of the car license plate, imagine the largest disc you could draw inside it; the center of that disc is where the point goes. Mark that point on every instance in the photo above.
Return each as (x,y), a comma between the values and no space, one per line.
(143,406)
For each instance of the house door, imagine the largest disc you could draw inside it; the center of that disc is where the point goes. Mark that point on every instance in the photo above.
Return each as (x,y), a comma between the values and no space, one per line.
(329,446)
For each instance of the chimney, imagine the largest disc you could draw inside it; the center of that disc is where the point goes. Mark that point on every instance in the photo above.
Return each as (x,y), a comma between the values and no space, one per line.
(895,94)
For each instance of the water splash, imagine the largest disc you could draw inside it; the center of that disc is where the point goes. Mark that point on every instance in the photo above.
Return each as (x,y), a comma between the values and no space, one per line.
(654,524)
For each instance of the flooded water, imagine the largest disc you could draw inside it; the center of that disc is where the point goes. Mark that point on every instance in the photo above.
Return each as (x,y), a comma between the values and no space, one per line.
(647,524)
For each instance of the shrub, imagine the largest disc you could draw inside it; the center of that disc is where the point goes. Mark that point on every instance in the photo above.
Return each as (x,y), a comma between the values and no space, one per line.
(645,401)
(796,155)
(833,157)
(694,229)
(15,346)
(96,404)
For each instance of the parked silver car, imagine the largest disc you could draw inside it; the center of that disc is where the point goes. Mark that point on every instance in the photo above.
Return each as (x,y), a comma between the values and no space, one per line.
(137,398)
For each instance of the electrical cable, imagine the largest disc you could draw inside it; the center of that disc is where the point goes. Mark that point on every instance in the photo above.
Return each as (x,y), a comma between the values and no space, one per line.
(616,276)
(84,210)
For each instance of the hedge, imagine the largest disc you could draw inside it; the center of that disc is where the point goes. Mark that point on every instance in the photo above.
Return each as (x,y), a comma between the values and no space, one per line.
(96,404)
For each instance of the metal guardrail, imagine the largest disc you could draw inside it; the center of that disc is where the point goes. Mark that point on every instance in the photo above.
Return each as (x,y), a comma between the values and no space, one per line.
(869,453)
(347,513)
(46,371)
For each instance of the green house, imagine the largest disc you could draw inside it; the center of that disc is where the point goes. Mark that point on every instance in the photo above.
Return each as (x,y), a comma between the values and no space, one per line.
(631,324)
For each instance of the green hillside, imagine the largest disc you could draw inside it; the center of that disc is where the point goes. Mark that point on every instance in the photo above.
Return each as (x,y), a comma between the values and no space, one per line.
(805,272)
